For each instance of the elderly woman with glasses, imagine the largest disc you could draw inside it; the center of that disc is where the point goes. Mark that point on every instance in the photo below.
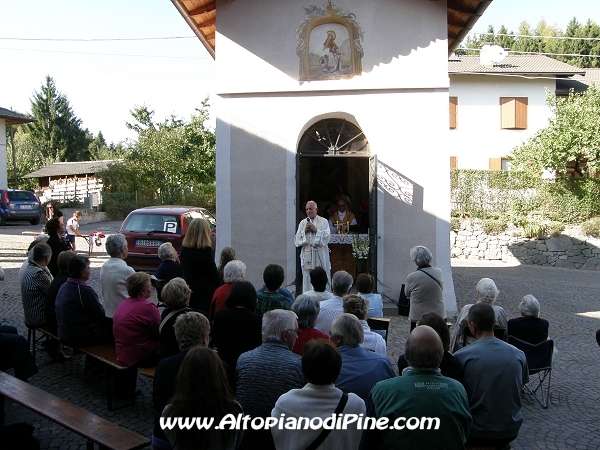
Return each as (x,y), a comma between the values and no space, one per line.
(307,309)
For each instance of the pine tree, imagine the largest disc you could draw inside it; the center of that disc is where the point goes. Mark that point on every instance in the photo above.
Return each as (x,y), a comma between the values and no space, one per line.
(57,132)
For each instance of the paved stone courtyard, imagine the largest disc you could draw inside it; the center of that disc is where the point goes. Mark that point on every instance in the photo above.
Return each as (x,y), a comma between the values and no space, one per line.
(570,300)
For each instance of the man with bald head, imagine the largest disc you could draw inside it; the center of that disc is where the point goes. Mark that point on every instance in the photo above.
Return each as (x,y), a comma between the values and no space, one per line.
(312,237)
(422,394)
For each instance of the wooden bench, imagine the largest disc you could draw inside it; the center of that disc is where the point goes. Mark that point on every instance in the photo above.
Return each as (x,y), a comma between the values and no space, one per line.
(95,429)
(31,233)
(32,340)
(89,241)
(107,354)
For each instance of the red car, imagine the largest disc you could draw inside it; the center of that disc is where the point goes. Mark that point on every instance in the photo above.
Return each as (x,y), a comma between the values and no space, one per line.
(146,229)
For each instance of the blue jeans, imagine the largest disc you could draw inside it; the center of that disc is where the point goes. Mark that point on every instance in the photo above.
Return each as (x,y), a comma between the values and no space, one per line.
(14,353)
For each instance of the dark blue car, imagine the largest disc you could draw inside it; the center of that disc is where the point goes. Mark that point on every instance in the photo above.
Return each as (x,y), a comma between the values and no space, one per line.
(19,205)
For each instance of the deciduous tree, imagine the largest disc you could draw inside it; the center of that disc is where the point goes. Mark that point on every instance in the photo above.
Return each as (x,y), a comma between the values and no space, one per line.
(572,136)
(172,161)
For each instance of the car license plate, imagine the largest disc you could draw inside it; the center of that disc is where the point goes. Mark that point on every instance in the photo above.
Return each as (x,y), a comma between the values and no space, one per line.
(148,243)
(26,206)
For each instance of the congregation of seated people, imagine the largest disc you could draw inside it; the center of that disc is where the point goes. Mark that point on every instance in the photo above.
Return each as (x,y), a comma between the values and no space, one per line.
(268,354)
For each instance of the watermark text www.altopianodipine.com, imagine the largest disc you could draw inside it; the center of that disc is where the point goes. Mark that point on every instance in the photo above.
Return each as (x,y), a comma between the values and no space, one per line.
(333,422)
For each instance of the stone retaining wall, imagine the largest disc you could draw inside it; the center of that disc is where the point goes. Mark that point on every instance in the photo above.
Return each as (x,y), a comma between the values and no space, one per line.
(89,215)
(570,250)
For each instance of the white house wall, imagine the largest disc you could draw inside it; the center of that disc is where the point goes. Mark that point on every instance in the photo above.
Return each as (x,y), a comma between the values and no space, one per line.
(400,103)
(478,136)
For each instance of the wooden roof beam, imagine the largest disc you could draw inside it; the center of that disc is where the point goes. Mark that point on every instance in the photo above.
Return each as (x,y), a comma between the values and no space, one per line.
(207,26)
(194,26)
(453,44)
(202,9)
(458,6)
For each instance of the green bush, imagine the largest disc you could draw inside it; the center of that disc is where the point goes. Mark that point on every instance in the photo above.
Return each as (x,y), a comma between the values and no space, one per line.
(555,228)
(455,223)
(118,204)
(534,230)
(518,195)
(591,227)
(494,226)
(71,204)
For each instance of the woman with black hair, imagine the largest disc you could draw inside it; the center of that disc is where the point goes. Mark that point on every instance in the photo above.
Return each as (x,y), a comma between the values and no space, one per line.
(56,229)
(237,329)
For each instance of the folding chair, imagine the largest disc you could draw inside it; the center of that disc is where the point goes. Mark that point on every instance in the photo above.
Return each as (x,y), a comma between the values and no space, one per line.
(379,323)
(500,333)
(539,362)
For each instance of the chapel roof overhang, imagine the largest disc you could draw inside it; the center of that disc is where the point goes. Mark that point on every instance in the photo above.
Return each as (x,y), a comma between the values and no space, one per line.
(201,16)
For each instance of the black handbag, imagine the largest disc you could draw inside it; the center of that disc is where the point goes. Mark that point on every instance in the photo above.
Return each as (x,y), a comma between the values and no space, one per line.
(403,303)
(325,432)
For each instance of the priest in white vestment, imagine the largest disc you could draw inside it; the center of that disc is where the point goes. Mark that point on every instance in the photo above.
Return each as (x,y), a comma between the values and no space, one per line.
(312,237)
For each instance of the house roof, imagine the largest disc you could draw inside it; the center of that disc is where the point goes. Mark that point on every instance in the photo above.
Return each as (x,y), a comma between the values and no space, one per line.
(579,83)
(71,168)
(14,118)
(201,16)
(591,76)
(514,64)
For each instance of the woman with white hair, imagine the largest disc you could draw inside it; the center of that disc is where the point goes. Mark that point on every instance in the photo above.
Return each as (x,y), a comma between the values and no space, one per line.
(169,268)
(176,295)
(486,292)
(359,307)
(424,286)
(307,309)
(113,273)
(234,271)
(529,327)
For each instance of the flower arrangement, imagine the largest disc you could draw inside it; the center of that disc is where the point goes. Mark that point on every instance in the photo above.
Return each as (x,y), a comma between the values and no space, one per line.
(360,247)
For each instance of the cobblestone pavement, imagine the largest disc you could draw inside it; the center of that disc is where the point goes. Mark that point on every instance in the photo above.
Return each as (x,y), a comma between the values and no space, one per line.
(569,300)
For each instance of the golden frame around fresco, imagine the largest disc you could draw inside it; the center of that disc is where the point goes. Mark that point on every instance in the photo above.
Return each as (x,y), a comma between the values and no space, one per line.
(329,44)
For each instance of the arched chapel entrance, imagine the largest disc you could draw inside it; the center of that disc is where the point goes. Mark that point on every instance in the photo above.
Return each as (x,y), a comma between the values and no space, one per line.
(334,161)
